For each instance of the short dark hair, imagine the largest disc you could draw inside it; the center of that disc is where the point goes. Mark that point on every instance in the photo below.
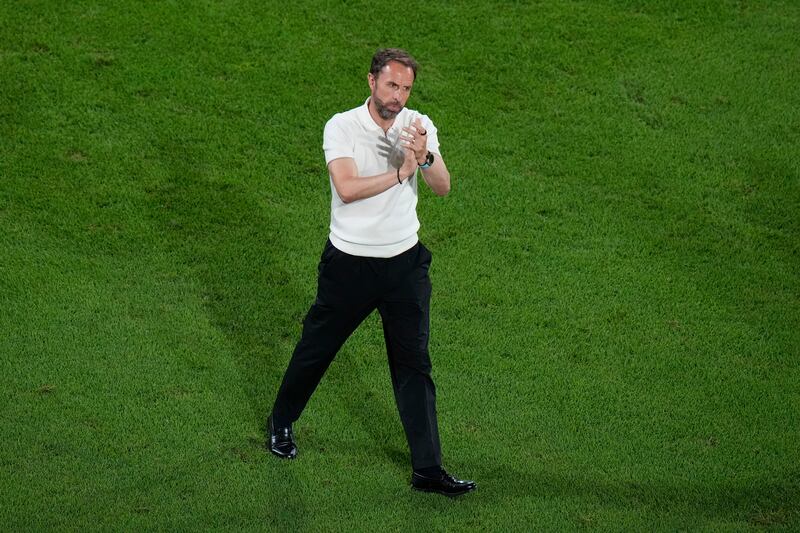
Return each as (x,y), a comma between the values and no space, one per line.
(384,55)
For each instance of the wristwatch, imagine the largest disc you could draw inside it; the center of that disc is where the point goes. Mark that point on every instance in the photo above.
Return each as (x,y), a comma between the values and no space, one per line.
(428,161)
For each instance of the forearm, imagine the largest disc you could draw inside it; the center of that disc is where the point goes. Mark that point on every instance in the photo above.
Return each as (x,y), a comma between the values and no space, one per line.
(355,188)
(437,177)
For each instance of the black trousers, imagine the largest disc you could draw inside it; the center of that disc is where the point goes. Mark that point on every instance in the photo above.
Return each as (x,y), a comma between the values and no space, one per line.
(349,289)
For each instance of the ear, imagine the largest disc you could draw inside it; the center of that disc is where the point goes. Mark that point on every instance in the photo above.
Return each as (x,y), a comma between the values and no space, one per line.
(371,81)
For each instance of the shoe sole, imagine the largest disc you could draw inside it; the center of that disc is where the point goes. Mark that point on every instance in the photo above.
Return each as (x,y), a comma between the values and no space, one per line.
(280,455)
(450,494)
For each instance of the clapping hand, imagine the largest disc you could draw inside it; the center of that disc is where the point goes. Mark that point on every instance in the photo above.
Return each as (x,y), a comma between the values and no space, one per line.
(399,157)
(416,139)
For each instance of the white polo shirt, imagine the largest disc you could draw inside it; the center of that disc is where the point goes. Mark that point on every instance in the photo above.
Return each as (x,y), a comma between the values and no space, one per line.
(386,224)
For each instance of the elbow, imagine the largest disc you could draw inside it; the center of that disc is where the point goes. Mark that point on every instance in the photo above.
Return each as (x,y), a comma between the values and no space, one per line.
(345,195)
(444,188)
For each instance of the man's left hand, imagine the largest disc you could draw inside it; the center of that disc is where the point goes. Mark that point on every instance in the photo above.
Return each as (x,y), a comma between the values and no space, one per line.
(416,138)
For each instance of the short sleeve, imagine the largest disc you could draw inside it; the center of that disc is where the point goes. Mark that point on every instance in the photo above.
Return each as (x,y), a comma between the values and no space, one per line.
(336,142)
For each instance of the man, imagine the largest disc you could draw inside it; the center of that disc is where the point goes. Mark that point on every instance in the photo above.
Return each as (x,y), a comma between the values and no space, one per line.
(373,260)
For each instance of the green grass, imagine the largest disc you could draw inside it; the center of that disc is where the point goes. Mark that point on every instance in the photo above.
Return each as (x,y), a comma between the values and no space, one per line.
(616,314)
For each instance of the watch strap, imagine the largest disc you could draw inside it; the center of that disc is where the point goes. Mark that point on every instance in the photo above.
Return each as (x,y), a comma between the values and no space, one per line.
(428,161)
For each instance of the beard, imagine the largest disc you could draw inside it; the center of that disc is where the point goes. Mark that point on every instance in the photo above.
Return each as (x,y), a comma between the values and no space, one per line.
(384,111)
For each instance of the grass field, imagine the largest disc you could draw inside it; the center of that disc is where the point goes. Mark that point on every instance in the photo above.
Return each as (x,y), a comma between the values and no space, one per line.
(616,310)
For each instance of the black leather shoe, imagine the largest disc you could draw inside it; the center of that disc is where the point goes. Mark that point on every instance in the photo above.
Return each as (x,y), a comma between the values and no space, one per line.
(281,441)
(444,483)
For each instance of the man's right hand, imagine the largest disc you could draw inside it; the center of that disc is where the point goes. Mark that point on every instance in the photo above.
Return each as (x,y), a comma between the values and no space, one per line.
(409,165)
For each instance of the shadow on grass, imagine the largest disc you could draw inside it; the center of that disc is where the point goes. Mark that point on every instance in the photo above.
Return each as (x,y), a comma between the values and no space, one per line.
(232,249)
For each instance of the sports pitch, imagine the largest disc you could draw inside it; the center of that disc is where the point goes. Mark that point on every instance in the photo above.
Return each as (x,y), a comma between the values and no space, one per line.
(616,302)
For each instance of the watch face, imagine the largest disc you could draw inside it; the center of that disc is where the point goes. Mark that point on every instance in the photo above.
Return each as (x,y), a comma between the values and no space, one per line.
(429,158)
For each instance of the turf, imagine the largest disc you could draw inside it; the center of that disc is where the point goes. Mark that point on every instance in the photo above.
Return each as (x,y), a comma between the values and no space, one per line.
(616,314)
